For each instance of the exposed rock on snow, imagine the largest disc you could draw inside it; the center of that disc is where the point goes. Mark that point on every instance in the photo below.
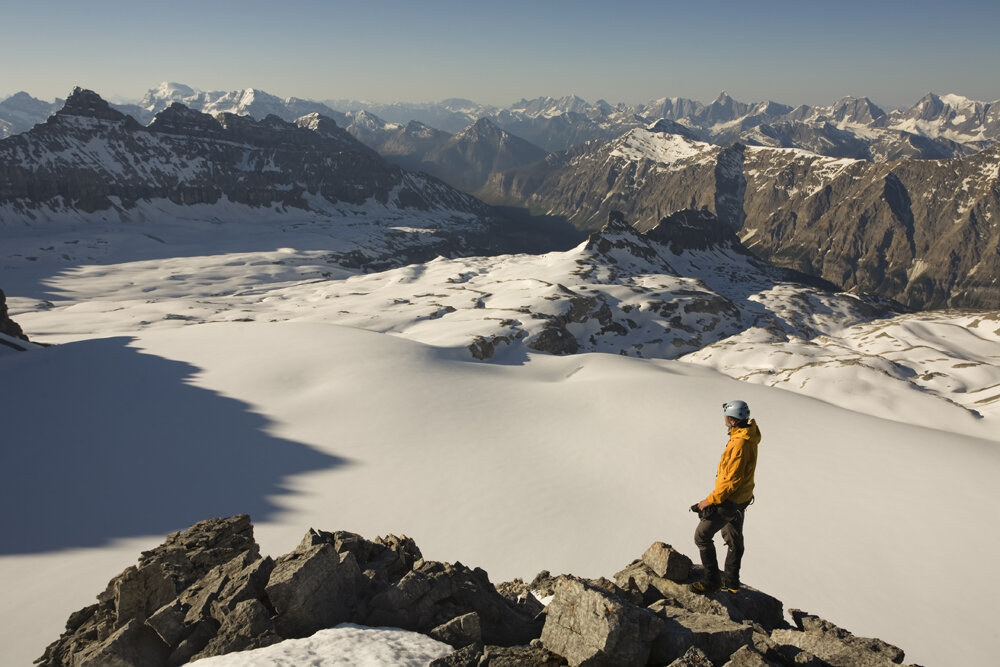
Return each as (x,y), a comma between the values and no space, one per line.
(207,591)
(9,327)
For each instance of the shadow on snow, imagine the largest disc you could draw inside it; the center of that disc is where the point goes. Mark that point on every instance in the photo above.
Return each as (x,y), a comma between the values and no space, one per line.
(101,441)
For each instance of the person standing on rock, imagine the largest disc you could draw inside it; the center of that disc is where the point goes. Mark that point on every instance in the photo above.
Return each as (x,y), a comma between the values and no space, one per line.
(723,510)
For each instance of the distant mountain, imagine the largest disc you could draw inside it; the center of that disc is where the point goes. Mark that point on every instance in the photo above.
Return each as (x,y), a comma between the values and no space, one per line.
(20,112)
(246,102)
(937,127)
(92,162)
(918,231)
(951,117)
(465,160)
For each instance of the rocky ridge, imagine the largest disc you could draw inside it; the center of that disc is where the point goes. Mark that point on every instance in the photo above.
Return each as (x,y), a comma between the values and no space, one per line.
(90,162)
(922,232)
(935,127)
(208,591)
(91,157)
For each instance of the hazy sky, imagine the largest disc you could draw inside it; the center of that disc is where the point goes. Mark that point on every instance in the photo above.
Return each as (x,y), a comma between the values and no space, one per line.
(500,51)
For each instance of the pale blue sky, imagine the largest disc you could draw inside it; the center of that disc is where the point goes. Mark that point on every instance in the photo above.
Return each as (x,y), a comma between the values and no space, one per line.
(499,51)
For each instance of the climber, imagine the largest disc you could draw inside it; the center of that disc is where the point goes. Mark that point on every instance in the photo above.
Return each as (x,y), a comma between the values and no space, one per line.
(724,509)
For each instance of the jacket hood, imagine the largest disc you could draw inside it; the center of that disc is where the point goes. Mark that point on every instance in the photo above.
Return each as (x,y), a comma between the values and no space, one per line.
(750,432)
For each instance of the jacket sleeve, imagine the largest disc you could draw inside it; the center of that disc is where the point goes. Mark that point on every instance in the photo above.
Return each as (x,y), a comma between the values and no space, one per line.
(732,470)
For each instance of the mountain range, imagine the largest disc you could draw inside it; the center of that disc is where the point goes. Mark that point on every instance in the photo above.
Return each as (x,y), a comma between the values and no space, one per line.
(934,127)
(923,232)
(843,193)
(90,161)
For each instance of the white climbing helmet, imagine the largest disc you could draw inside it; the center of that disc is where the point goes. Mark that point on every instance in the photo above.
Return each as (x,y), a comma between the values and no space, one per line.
(737,409)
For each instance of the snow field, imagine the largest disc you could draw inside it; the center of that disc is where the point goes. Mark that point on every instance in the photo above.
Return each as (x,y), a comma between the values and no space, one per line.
(142,423)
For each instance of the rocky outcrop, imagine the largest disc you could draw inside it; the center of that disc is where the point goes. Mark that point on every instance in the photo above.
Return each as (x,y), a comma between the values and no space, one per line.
(207,591)
(9,327)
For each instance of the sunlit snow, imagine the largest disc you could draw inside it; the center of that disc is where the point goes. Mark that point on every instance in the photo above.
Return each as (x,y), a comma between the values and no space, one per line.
(352,402)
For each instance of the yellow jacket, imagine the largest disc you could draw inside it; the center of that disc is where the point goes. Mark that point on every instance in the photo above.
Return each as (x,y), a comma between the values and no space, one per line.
(734,480)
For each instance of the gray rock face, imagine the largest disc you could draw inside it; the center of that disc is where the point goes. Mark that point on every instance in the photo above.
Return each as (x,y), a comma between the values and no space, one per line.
(667,562)
(311,589)
(9,327)
(207,591)
(434,593)
(587,626)
(714,635)
(749,605)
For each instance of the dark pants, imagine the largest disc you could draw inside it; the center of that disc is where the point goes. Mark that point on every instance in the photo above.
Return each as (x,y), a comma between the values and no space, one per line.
(732,535)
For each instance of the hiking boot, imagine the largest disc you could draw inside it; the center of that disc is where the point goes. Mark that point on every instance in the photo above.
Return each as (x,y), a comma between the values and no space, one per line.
(705,586)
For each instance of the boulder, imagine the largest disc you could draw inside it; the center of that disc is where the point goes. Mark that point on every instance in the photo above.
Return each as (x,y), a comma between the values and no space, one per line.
(715,635)
(747,605)
(248,625)
(312,588)
(434,593)
(460,631)
(746,656)
(132,645)
(835,645)
(463,657)
(667,562)
(500,656)
(693,657)
(386,559)
(588,626)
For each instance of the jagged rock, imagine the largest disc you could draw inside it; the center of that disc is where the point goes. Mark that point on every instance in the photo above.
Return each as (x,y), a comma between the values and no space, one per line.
(715,635)
(468,656)
(206,591)
(746,656)
(519,656)
(748,605)
(693,657)
(201,635)
(588,626)
(8,326)
(667,562)
(528,596)
(142,592)
(131,645)
(835,645)
(500,656)
(312,588)
(383,561)
(434,593)
(248,625)
(460,631)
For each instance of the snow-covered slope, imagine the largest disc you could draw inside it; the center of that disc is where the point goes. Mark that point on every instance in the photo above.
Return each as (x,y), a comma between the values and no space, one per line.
(235,361)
